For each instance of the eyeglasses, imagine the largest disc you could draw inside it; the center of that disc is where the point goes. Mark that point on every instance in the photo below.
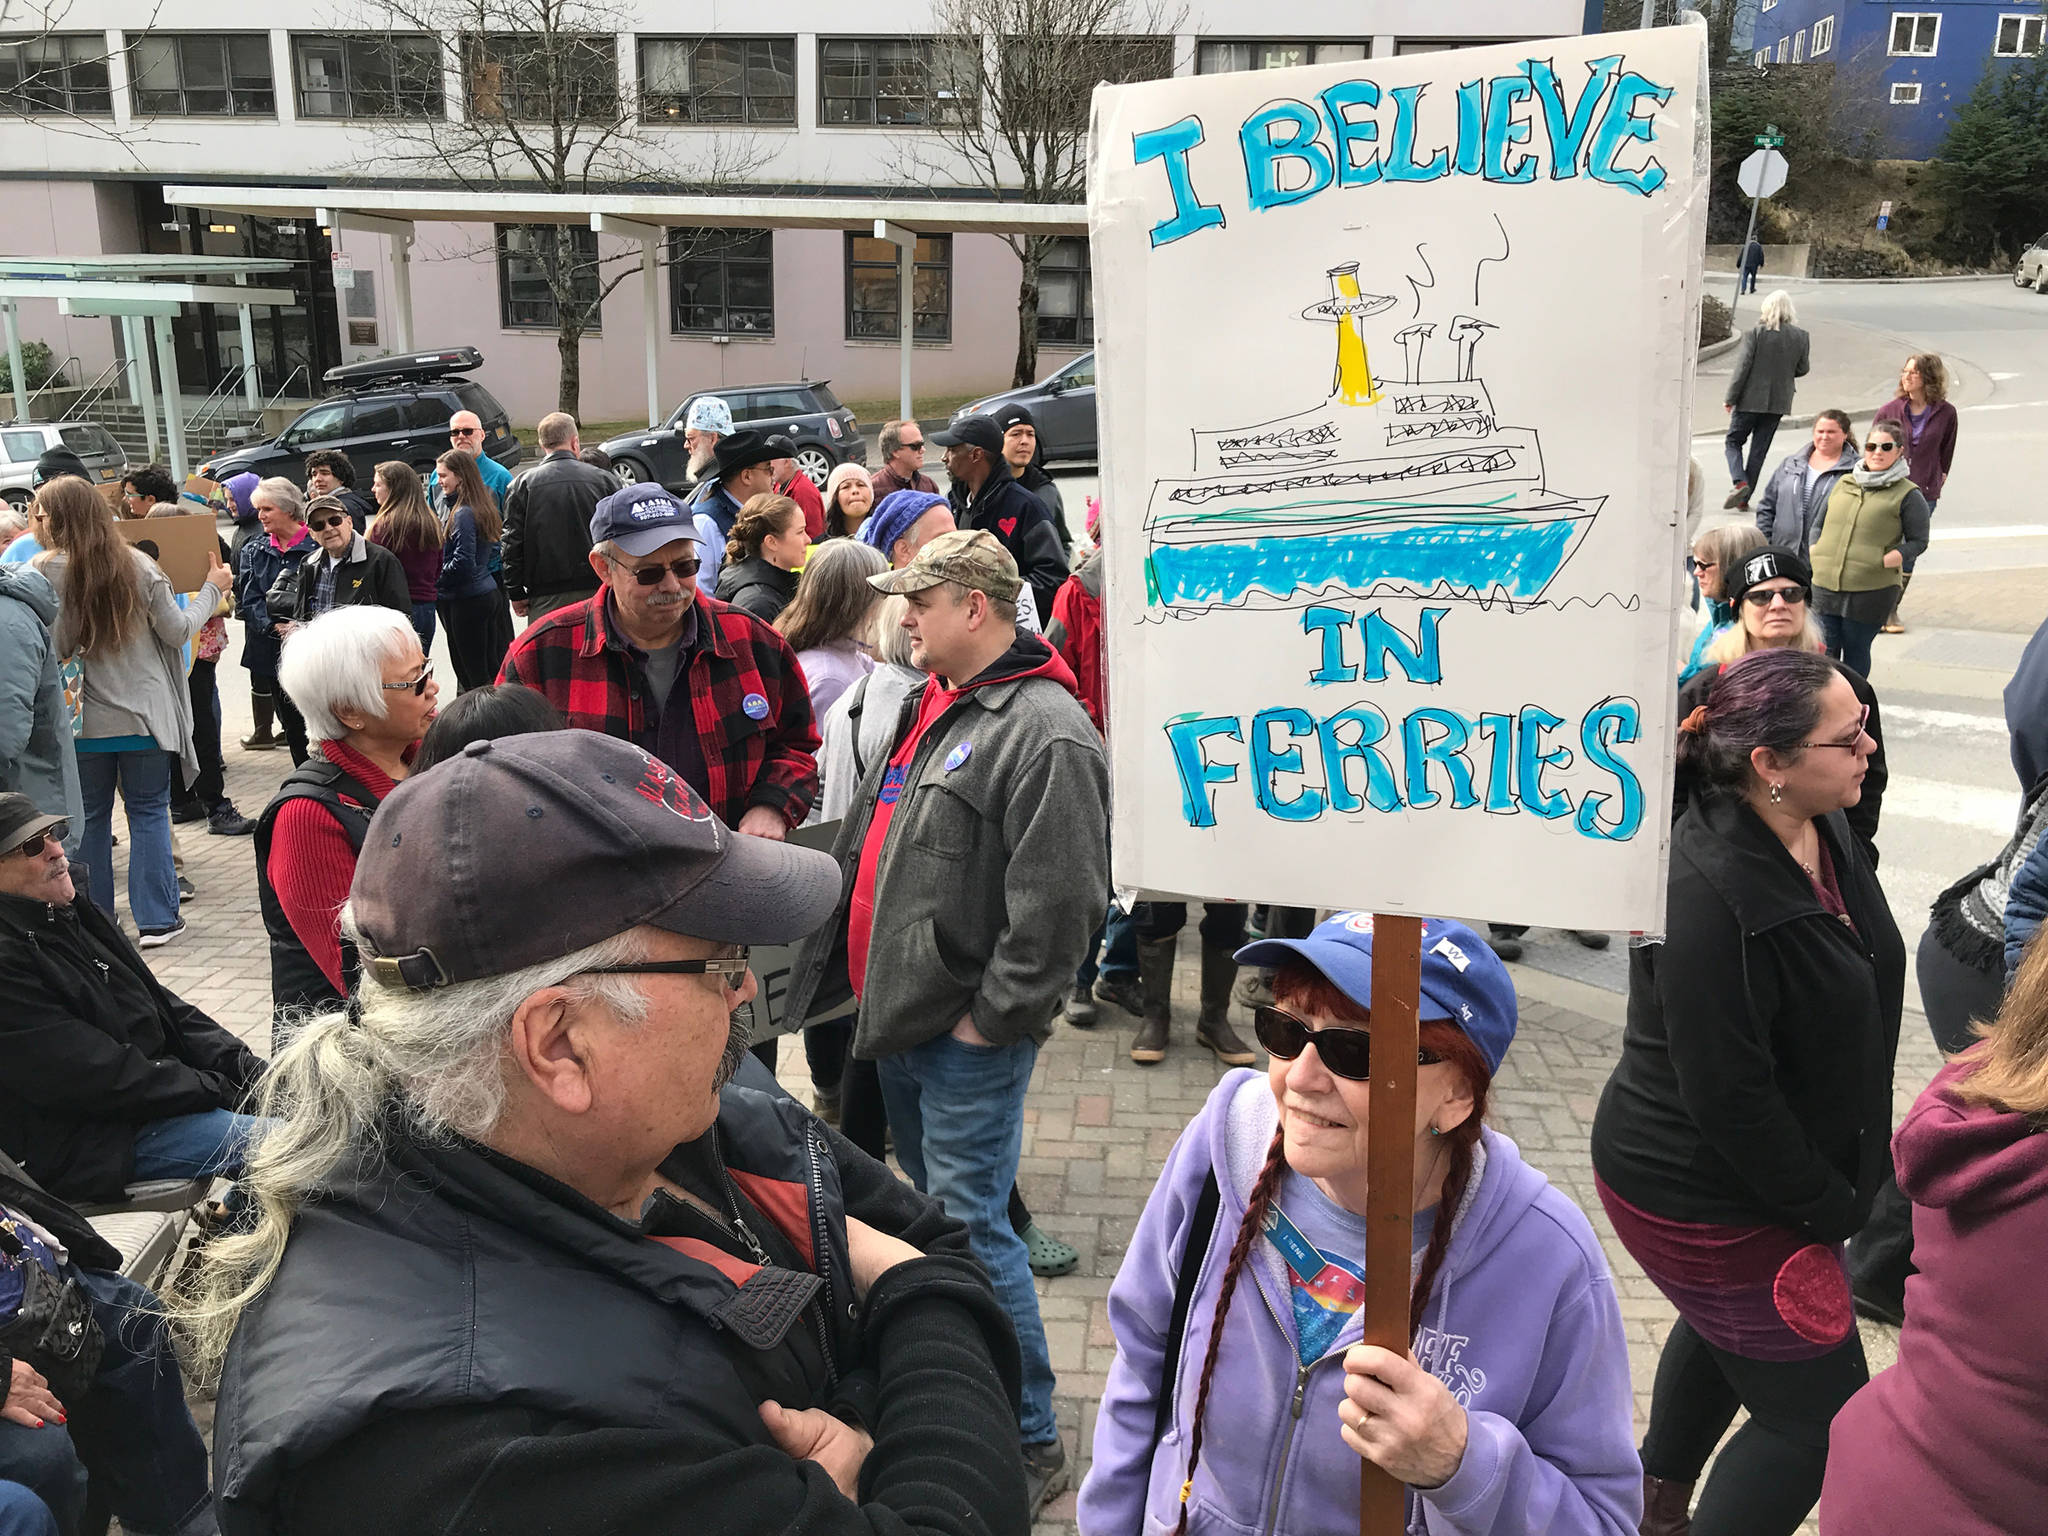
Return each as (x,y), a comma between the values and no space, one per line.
(650,575)
(731,972)
(1880,445)
(1855,741)
(465,431)
(1694,563)
(33,847)
(321,524)
(418,685)
(1791,597)
(1346,1052)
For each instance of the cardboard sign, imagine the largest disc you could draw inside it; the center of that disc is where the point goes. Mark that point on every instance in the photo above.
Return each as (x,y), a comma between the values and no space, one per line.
(772,963)
(1395,376)
(184,545)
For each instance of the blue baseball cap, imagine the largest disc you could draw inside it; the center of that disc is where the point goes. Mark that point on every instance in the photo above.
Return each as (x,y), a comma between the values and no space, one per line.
(1463,980)
(641,519)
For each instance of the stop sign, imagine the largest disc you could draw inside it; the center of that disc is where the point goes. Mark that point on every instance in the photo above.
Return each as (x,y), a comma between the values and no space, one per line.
(1762,174)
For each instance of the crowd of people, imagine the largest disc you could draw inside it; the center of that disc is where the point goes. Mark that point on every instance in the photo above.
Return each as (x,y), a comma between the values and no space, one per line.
(678,1288)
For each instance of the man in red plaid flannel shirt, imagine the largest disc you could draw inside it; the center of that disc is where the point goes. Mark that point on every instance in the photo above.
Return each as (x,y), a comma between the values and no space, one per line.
(708,689)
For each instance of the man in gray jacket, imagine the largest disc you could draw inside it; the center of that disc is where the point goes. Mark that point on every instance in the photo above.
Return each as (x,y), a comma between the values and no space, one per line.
(1774,353)
(972,865)
(36,755)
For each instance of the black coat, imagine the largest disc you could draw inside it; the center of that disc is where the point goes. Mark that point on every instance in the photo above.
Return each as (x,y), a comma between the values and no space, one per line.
(492,1352)
(371,576)
(1019,519)
(1755,1079)
(756,586)
(92,1047)
(547,526)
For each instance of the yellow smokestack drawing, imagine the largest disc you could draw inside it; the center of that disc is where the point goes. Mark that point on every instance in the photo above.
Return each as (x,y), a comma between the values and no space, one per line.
(1353,383)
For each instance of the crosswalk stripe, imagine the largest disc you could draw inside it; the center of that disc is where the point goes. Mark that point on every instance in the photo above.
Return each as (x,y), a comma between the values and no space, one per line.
(1955,805)
(2009,531)
(1940,720)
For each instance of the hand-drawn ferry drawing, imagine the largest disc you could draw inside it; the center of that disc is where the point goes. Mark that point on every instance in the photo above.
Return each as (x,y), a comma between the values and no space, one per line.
(1409,488)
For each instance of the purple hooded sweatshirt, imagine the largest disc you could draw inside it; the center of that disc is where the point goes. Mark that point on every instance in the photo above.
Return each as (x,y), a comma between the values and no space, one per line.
(1522,1326)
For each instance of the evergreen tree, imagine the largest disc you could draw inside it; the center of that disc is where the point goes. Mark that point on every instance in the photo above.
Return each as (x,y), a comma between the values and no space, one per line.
(1992,171)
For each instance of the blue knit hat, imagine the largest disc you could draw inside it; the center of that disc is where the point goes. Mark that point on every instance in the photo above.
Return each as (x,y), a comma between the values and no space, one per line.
(894,517)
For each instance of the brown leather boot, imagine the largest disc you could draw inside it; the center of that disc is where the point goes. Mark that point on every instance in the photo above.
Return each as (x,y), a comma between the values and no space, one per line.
(1155,984)
(1219,970)
(1667,1508)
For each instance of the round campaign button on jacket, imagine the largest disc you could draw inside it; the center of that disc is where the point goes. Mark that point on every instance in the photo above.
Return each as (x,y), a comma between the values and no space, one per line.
(754,707)
(958,755)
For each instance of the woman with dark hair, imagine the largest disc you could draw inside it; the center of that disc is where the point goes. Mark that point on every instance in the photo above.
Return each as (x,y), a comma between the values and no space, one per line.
(117,614)
(1514,1413)
(849,498)
(766,545)
(1921,410)
(1797,496)
(469,600)
(1741,1138)
(407,527)
(830,623)
(485,714)
(1873,530)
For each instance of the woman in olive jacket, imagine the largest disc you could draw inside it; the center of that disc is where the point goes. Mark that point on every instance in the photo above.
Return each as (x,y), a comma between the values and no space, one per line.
(1742,1136)
(1874,529)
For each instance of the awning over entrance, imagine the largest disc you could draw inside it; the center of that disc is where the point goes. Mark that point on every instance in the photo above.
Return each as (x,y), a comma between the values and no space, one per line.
(393,212)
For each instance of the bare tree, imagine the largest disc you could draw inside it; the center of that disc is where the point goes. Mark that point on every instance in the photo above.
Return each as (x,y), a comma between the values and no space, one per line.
(58,75)
(1009,84)
(542,109)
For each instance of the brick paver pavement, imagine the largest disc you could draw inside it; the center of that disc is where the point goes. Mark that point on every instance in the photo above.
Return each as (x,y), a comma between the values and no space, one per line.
(1097,1126)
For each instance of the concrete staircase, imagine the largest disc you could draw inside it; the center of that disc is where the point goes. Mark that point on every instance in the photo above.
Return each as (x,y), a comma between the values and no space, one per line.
(125,422)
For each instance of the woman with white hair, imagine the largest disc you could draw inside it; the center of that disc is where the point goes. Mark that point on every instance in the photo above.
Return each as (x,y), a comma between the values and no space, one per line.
(368,694)
(1774,353)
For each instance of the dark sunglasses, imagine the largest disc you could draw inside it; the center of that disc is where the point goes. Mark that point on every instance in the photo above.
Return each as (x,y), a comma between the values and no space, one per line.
(320,524)
(465,431)
(650,575)
(417,685)
(1345,1051)
(730,971)
(1695,564)
(33,847)
(1795,597)
(1880,445)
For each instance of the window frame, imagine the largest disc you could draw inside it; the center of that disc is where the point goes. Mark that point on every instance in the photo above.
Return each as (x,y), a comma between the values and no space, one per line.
(942,334)
(475,50)
(1823,37)
(1892,49)
(93,45)
(1905,100)
(1083,274)
(1314,45)
(501,238)
(228,90)
(927,49)
(1784,49)
(650,113)
(679,259)
(352,94)
(1762,59)
(1799,46)
(2023,19)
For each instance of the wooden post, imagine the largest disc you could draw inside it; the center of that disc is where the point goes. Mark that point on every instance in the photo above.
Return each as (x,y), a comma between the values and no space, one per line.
(1390,1179)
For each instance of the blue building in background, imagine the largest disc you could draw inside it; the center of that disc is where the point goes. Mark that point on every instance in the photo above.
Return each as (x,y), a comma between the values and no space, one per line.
(1902,68)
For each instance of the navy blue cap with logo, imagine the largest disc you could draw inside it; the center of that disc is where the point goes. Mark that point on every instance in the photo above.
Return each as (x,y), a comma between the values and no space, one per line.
(641,519)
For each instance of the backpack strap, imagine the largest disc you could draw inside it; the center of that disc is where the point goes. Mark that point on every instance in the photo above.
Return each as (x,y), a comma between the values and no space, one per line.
(1183,1298)
(860,695)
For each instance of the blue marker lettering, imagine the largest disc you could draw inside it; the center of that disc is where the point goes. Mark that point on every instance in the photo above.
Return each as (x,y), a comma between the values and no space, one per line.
(1362,169)
(1171,145)
(1264,154)
(1268,763)
(1447,751)
(1420,660)
(1500,767)
(1338,754)
(1568,134)
(1401,164)
(1617,721)
(1619,126)
(1335,624)
(1504,130)
(1533,760)
(1471,130)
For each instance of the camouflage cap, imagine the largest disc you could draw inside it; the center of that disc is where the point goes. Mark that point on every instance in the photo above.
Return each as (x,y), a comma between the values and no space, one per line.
(973,557)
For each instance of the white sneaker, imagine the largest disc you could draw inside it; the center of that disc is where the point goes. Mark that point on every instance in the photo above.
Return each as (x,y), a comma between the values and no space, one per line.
(157,938)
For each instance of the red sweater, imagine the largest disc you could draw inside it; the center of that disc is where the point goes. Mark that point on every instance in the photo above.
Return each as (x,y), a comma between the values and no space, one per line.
(312,864)
(809,501)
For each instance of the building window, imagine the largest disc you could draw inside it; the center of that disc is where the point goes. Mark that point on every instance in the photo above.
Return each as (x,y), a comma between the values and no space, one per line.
(532,78)
(1763,57)
(1770,5)
(923,81)
(1784,49)
(1222,58)
(1906,93)
(368,76)
(721,282)
(1916,32)
(60,72)
(527,253)
(1823,36)
(194,75)
(871,313)
(1038,78)
(1799,46)
(718,80)
(1066,298)
(2018,35)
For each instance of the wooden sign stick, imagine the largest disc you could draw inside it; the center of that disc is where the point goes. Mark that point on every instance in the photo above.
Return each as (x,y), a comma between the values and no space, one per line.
(1390,1179)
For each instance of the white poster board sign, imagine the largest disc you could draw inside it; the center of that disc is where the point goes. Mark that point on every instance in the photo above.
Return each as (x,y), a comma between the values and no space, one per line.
(1395,377)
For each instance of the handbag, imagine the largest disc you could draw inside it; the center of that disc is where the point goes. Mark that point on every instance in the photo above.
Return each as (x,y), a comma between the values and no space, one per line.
(71,674)
(45,1316)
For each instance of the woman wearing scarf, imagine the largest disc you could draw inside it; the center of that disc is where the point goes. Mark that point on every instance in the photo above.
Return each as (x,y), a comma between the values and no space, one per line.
(1875,527)
(1922,412)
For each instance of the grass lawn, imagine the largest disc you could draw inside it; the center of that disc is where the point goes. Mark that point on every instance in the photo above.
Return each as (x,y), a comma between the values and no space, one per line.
(873,413)
(589,433)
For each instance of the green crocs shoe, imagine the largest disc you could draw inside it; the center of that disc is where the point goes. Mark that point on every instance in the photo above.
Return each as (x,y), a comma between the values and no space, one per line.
(1049,1256)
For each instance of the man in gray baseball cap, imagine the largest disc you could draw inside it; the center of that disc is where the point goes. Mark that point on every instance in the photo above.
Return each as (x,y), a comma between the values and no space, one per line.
(553,1258)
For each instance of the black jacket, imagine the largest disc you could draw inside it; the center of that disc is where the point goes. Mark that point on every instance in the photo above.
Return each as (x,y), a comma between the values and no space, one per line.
(92,1047)
(456,1343)
(1862,816)
(1755,1079)
(1020,521)
(547,526)
(1035,480)
(370,575)
(756,586)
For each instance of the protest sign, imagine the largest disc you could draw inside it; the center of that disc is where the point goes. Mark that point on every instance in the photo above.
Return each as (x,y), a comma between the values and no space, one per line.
(773,963)
(1395,377)
(183,545)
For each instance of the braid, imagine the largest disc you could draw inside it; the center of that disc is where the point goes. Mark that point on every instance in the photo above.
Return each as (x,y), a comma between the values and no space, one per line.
(1455,1179)
(1248,1229)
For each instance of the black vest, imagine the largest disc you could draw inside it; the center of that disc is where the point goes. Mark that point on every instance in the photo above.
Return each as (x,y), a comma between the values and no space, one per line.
(296,980)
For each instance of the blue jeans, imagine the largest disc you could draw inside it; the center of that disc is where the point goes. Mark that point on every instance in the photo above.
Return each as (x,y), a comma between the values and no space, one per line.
(194,1146)
(132,1429)
(957,1111)
(22,1513)
(1848,641)
(1116,943)
(144,780)
(423,624)
(1757,428)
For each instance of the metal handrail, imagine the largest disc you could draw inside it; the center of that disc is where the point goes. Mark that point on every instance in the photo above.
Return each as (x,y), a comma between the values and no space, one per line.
(217,398)
(101,386)
(50,381)
(284,389)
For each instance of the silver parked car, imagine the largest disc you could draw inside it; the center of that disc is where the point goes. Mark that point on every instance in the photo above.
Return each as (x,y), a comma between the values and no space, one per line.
(2032,272)
(22,444)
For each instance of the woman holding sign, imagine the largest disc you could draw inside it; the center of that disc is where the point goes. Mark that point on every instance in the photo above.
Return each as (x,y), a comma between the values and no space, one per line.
(1741,1139)
(1227,1411)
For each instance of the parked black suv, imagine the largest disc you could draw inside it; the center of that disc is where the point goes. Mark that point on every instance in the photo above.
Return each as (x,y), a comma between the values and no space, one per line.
(824,431)
(383,408)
